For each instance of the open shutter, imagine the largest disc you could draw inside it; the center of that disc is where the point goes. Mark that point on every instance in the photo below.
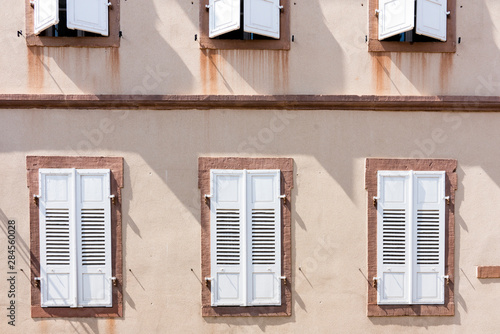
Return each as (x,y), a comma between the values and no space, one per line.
(227,242)
(393,230)
(57,237)
(428,237)
(224,16)
(94,237)
(264,235)
(395,17)
(46,14)
(88,15)
(262,17)
(431,18)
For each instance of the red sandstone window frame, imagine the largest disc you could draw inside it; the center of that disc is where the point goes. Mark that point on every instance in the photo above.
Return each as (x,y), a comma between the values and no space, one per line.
(285,165)
(115,165)
(373,165)
(113,40)
(262,44)
(374,45)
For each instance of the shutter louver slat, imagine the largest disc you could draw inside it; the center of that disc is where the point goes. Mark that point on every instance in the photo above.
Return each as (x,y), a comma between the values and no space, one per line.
(93,237)
(57,239)
(428,237)
(263,236)
(394,236)
(228,237)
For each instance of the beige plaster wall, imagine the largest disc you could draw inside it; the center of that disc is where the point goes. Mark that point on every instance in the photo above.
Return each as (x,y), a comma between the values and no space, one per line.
(158,55)
(161,238)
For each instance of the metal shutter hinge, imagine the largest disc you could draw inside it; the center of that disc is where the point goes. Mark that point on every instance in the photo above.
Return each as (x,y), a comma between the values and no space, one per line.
(36,199)
(114,280)
(375,282)
(377,11)
(207,198)
(447,198)
(283,279)
(207,280)
(37,281)
(283,197)
(375,201)
(447,279)
(113,199)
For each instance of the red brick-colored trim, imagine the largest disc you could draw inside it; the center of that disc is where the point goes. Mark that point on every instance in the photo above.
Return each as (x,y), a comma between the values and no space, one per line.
(259,102)
(115,164)
(260,44)
(113,40)
(374,45)
(449,166)
(285,165)
(488,272)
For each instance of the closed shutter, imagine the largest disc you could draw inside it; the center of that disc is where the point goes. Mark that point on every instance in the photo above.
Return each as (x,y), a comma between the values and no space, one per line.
(57,237)
(262,17)
(88,15)
(46,14)
(224,16)
(431,18)
(94,237)
(393,237)
(395,17)
(264,234)
(428,237)
(227,208)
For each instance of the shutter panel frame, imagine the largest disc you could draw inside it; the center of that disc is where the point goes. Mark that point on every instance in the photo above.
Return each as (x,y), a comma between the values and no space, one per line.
(57,236)
(93,229)
(224,17)
(393,238)
(395,17)
(262,17)
(45,15)
(88,15)
(432,18)
(227,241)
(264,237)
(429,237)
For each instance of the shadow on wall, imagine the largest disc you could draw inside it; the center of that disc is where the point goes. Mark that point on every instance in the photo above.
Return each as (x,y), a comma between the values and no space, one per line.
(144,63)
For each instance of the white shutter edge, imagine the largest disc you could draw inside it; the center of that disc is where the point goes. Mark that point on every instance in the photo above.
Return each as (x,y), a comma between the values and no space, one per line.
(380,12)
(443,17)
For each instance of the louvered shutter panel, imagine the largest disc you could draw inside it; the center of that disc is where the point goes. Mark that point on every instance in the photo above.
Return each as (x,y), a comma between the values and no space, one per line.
(393,231)
(264,237)
(46,14)
(431,18)
(88,15)
(395,17)
(428,237)
(224,16)
(94,237)
(57,237)
(227,242)
(262,17)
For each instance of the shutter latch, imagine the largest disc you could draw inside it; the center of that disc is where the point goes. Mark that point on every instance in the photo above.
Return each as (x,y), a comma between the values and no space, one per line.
(447,198)
(446,279)
(375,282)
(207,198)
(283,279)
(283,197)
(375,200)
(36,199)
(208,279)
(37,281)
(114,280)
(112,197)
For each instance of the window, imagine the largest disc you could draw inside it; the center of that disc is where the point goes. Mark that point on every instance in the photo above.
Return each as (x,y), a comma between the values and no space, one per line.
(90,23)
(246,236)
(75,228)
(244,24)
(412,25)
(411,236)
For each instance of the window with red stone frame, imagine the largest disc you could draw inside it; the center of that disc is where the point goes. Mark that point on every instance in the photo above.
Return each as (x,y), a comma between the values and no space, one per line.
(285,165)
(115,165)
(373,165)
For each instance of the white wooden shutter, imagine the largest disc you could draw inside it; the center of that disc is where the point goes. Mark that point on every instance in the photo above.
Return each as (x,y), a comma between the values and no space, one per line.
(262,17)
(395,17)
(227,242)
(88,15)
(393,230)
(224,16)
(431,18)
(94,237)
(428,237)
(264,236)
(57,237)
(46,14)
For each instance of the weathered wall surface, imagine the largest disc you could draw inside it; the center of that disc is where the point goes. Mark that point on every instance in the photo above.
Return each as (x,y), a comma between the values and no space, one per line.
(158,55)
(161,216)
